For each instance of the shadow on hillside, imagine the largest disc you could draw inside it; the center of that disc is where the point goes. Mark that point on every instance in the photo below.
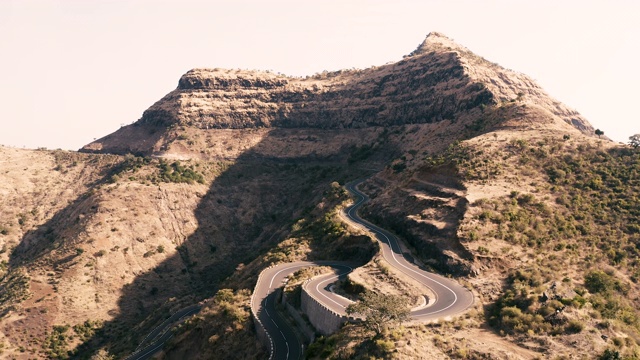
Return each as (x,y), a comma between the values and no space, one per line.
(247,210)
(49,236)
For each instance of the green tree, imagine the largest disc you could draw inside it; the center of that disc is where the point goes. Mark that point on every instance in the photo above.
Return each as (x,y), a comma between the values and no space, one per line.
(380,310)
(599,132)
(634,140)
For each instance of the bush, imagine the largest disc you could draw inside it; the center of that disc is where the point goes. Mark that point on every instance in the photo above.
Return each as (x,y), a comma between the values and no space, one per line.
(177,173)
(87,329)
(599,282)
(574,327)
(399,167)
(385,346)
(513,319)
(610,354)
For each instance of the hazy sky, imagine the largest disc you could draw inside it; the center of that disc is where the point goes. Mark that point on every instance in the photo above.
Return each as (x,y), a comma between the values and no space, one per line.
(75,70)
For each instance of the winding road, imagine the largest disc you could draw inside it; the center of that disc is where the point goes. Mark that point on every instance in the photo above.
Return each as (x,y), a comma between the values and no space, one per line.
(284,343)
(450,297)
(161,334)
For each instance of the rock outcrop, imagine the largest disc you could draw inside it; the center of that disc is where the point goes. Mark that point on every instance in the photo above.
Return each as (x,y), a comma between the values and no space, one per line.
(440,80)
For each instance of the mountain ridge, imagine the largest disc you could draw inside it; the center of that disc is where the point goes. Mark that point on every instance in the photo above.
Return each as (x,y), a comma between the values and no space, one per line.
(439,81)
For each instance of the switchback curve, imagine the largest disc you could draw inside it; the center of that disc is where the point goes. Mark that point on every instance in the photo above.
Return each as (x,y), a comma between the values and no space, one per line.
(451,297)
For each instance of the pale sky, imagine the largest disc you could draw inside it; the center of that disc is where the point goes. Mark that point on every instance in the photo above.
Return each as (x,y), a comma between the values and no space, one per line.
(75,70)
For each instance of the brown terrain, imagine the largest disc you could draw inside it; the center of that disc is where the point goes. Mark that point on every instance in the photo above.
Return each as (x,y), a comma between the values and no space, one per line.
(233,171)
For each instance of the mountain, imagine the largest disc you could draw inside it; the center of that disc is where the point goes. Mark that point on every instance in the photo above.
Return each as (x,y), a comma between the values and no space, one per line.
(483,175)
(439,82)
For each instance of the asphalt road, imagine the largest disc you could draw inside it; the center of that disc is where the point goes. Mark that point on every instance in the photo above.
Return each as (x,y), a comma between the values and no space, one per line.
(451,297)
(320,289)
(161,334)
(285,344)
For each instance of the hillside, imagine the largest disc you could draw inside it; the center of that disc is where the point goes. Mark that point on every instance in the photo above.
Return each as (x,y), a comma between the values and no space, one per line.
(481,173)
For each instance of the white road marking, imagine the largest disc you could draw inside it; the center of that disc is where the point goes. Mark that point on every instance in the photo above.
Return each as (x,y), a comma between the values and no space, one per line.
(398,262)
(285,269)
(331,279)
(375,230)
(270,318)
(154,348)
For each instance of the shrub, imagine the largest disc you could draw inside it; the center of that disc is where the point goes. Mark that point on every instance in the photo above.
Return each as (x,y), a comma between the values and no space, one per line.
(177,173)
(399,167)
(610,354)
(574,327)
(87,329)
(599,282)
(384,346)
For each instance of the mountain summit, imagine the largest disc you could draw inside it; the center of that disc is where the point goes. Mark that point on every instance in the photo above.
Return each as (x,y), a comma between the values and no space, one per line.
(440,81)
(436,40)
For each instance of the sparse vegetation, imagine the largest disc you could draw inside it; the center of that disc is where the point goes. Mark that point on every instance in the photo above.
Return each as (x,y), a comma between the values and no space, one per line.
(14,287)
(57,342)
(583,219)
(359,153)
(523,310)
(226,325)
(87,329)
(130,165)
(177,173)
(322,230)
(471,163)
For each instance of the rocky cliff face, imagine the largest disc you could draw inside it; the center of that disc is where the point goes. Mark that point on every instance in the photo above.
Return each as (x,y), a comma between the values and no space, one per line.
(439,81)
(415,90)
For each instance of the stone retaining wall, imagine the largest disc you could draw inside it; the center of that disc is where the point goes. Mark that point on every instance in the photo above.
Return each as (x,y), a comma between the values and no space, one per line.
(325,320)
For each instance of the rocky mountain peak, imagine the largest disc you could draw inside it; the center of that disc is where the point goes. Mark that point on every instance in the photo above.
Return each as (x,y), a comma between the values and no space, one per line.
(436,41)
(439,81)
